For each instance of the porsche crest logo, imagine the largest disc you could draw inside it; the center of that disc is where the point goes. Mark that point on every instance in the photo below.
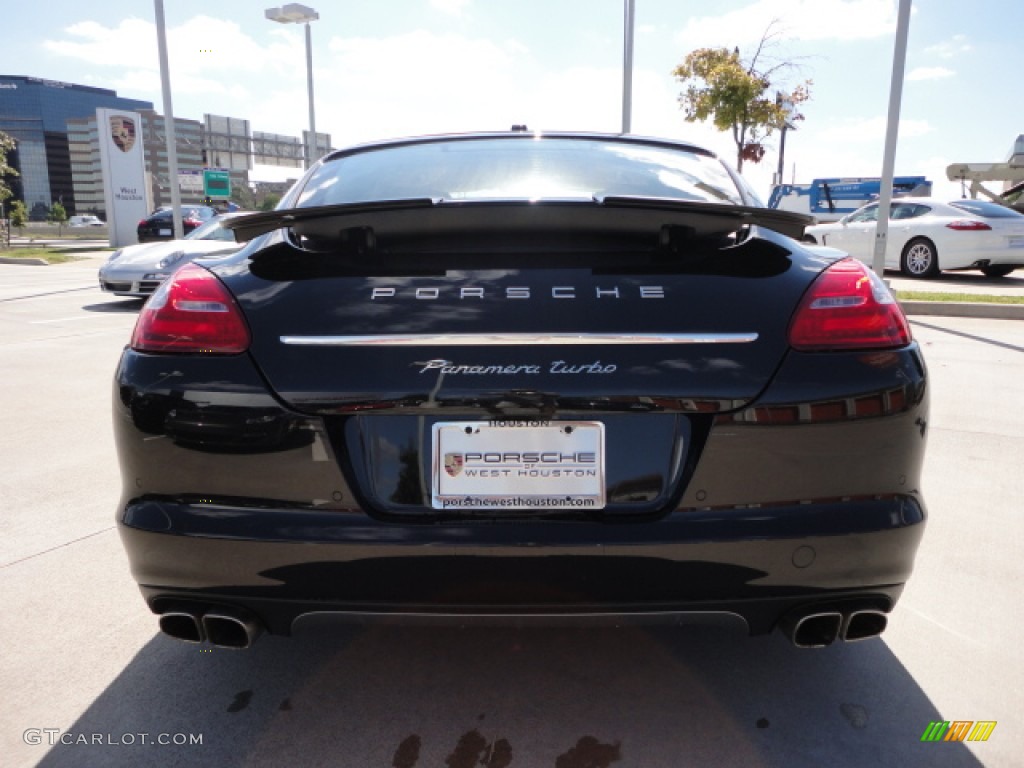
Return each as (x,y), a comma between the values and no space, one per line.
(453,463)
(122,132)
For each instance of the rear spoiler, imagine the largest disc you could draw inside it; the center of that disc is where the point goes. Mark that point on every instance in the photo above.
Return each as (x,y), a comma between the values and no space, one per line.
(611,214)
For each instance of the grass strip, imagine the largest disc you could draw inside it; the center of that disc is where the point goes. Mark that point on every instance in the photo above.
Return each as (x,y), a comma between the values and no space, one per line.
(49,255)
(958,298)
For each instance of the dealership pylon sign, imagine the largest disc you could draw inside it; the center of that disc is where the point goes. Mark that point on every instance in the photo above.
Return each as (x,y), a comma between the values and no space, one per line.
(124,173)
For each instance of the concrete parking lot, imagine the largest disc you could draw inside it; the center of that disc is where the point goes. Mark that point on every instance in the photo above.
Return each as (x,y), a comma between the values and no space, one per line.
(82,661)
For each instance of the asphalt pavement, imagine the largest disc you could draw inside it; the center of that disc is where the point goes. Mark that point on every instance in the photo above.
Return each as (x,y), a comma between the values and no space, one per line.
(87,679)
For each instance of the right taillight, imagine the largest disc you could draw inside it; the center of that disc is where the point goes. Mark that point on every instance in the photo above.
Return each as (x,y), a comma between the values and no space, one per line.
(848,307)
(191,313)
(968,225)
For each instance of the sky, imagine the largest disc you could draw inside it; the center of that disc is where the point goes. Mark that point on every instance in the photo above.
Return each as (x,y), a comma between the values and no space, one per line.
(392,68)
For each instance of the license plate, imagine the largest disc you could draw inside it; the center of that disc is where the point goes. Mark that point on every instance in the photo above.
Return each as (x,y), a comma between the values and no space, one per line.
(506,465)
(165,233)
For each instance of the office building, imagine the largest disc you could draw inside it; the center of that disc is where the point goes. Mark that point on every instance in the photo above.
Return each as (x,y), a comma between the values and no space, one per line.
(34,112)
(58,159)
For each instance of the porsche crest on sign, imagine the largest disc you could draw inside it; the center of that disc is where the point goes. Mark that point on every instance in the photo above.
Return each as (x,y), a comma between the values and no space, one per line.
(453,463)
(122,132)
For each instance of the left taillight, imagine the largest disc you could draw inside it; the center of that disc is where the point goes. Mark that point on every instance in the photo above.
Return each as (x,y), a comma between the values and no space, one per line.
(848,307)
(191,313)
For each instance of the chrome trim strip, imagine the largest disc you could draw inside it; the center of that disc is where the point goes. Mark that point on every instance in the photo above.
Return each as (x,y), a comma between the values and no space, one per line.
(517,339)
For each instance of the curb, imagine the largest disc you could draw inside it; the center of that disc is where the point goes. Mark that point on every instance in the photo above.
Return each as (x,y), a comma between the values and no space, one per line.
(28,262)
(954,309)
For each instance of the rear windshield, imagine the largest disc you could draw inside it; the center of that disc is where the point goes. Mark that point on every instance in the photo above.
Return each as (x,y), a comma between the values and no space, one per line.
(211,230)
(988,210)
(520,169)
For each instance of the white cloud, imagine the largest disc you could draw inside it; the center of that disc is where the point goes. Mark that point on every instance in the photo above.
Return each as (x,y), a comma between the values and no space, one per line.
(132,42)
(425,82)
(798,19)
(935,169)
(210,61)
(203,51)
(421,82)
(955,46)
(137,81)
(453,7)
(929,73)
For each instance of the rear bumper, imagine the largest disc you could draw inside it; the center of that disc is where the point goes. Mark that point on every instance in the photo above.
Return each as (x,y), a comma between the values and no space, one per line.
(758,564)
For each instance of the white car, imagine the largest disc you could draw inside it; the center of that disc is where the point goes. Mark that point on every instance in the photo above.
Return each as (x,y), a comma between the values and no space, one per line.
(927,235)
(138,270)
(86,221)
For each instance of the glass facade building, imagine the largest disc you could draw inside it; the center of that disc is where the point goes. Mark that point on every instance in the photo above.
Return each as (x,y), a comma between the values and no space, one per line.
(57,155)
(35,113)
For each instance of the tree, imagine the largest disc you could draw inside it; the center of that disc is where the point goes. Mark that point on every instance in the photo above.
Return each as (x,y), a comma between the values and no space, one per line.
(738,96)
(242,196)
(7,144)
(58,215)
(270,201)
(18,214)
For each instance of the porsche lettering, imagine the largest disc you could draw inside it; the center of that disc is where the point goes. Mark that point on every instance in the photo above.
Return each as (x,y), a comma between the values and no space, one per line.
(471,292)
(530,457)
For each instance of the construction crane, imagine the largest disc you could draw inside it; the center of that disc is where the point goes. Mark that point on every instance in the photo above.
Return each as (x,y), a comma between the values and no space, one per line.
(1010,172)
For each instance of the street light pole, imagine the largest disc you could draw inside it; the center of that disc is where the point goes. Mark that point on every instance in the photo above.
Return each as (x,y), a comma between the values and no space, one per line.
(311,154)
(788,108)
(627,65)
(171,139)
(899,61)
(295,13)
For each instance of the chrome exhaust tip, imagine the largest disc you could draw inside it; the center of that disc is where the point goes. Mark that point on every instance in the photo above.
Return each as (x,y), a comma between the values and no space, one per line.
(813,630)
(225,631)
(863,625)
(181,626)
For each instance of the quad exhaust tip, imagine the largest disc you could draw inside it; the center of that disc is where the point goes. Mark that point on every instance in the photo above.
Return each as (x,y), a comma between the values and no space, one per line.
(182,626)
(819,629)
(862,625)
(226,631)
(223,629)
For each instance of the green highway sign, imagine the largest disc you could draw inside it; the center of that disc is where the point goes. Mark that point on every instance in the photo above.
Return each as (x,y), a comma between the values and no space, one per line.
(216,182)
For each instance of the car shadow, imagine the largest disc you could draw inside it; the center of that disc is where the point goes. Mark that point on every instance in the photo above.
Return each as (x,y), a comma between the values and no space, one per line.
(564,698)
(119,305)
(966,280)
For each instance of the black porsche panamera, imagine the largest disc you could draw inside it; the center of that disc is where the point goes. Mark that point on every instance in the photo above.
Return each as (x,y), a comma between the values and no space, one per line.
(521,377)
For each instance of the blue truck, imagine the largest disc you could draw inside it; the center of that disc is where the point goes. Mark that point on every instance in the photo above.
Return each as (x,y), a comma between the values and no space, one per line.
(831,199)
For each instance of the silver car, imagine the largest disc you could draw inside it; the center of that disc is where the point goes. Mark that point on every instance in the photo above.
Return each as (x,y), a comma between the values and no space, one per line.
(138,270)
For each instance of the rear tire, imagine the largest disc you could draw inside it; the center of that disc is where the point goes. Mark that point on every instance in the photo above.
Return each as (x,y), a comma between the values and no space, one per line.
(997,271)
(920,259)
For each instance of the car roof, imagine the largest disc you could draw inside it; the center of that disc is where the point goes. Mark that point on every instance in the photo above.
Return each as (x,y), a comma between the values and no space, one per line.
(928,200)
